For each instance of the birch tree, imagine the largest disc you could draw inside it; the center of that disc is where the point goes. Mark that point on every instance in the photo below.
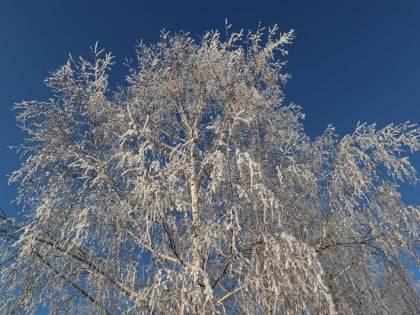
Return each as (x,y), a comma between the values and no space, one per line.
(194,189)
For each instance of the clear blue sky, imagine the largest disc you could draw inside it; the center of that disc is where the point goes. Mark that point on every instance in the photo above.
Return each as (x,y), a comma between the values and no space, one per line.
(352,60)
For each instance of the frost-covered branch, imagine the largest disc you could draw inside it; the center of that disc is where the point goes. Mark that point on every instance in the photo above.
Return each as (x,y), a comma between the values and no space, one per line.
(194,189)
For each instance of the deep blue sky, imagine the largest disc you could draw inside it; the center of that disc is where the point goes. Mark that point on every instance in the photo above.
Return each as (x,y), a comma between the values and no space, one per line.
(351,61)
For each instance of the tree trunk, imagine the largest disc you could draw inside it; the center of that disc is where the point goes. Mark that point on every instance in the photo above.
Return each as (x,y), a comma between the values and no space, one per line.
(196,259)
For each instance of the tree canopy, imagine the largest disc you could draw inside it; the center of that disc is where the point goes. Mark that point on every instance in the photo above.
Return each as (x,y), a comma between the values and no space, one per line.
(194,189)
